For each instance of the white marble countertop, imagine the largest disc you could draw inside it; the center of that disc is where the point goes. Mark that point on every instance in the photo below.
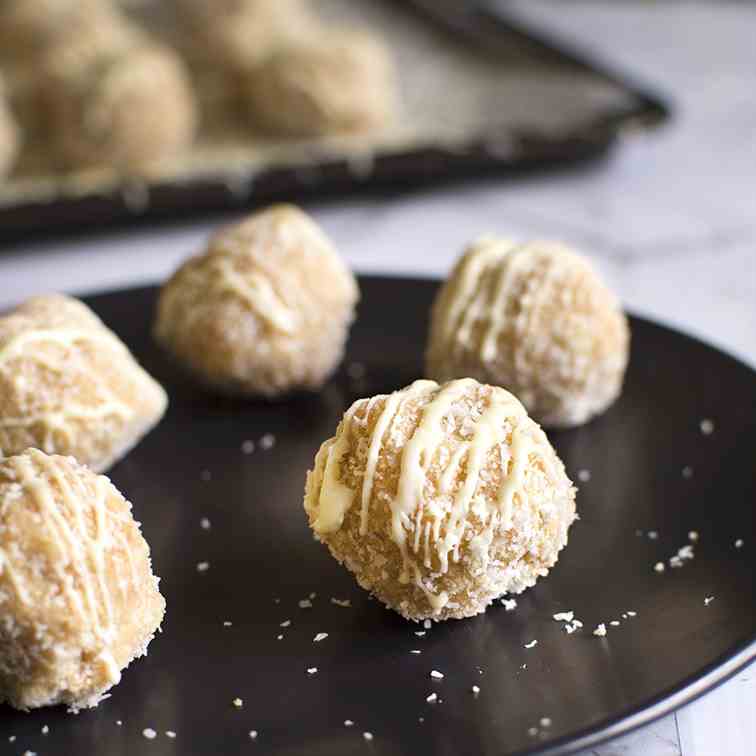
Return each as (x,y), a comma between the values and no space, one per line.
(670,219)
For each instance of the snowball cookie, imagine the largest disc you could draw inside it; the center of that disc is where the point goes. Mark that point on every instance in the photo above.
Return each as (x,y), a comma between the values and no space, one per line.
(69,386)
(536,319)
(9,136)
(336,82)
(240,34)
(29,28)
(128,107)
(78,598)
(265,310)
(441,498)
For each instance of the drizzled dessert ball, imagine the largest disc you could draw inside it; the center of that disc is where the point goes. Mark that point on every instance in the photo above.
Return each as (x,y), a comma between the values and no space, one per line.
(69,386)
(239,34)
(441,498)
(265,310)
(78,598)
(536,319)
(127,106)
(332,83)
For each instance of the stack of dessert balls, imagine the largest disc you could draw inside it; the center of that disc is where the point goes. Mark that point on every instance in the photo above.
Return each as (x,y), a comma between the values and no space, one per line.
(439,497)
(93,88)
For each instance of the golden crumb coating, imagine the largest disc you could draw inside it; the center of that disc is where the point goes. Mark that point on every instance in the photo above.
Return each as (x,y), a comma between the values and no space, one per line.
(127,106)
(441,498)
(240,34)
(334,82)
(30,28)
(69,386)
(78,600)
(265,310)
(536,319)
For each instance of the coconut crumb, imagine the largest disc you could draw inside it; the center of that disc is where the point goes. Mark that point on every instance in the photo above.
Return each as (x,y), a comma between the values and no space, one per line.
(584,475)
(739,543)
(475,690)
(631,613)
(45,729)
(248,446)
(205,523)
(119,722)
(344,603)
(509,604)
(708,600)
(279,636)
(238,703)
(348,723)
(253,734)
(693,536)
(432,698)
(419,633)
(227,623)
(285,623)
(532,731)
(436,675)
(203,566)
(659,567)
(416,651)
(653,534)
(268,441)
(149,733)
(312,670)
(368,736)
(305,604)
(545,722)
(707,426)
(320,637)
(615,623)
(170,734)
(600,630)
(532,644)
(564,616)
(427,624)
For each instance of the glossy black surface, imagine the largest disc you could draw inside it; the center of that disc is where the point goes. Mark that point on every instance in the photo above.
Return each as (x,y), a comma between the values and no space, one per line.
(260,550)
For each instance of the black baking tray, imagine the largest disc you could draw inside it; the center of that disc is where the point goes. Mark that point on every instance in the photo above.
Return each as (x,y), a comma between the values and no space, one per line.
(515,150)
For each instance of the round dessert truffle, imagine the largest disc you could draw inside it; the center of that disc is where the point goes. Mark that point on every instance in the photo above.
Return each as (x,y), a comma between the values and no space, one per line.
(30,28)
(9,136)
(332,83)
(78,598)
(441,498)
(239,34)
(265,310)
(127,107)
(68,385)
(536,319)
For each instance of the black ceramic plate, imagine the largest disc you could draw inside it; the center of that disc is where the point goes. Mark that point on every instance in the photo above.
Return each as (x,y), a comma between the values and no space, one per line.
(263,561)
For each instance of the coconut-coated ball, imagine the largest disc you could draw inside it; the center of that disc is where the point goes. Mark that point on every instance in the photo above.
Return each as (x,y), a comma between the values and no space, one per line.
(238,35)
(30,28)
(68,385)
(264,311)
(440,498)
(536,319)
(126,107)
(78,598)
(335,82)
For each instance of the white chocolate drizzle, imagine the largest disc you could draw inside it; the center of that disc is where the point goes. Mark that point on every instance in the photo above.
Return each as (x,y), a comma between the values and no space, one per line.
(59,420)
(78,557)
(437,526)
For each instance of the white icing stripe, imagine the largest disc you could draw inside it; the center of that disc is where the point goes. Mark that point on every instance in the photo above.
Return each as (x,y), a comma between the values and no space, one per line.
(79,559)
(392,406)
(335,497)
